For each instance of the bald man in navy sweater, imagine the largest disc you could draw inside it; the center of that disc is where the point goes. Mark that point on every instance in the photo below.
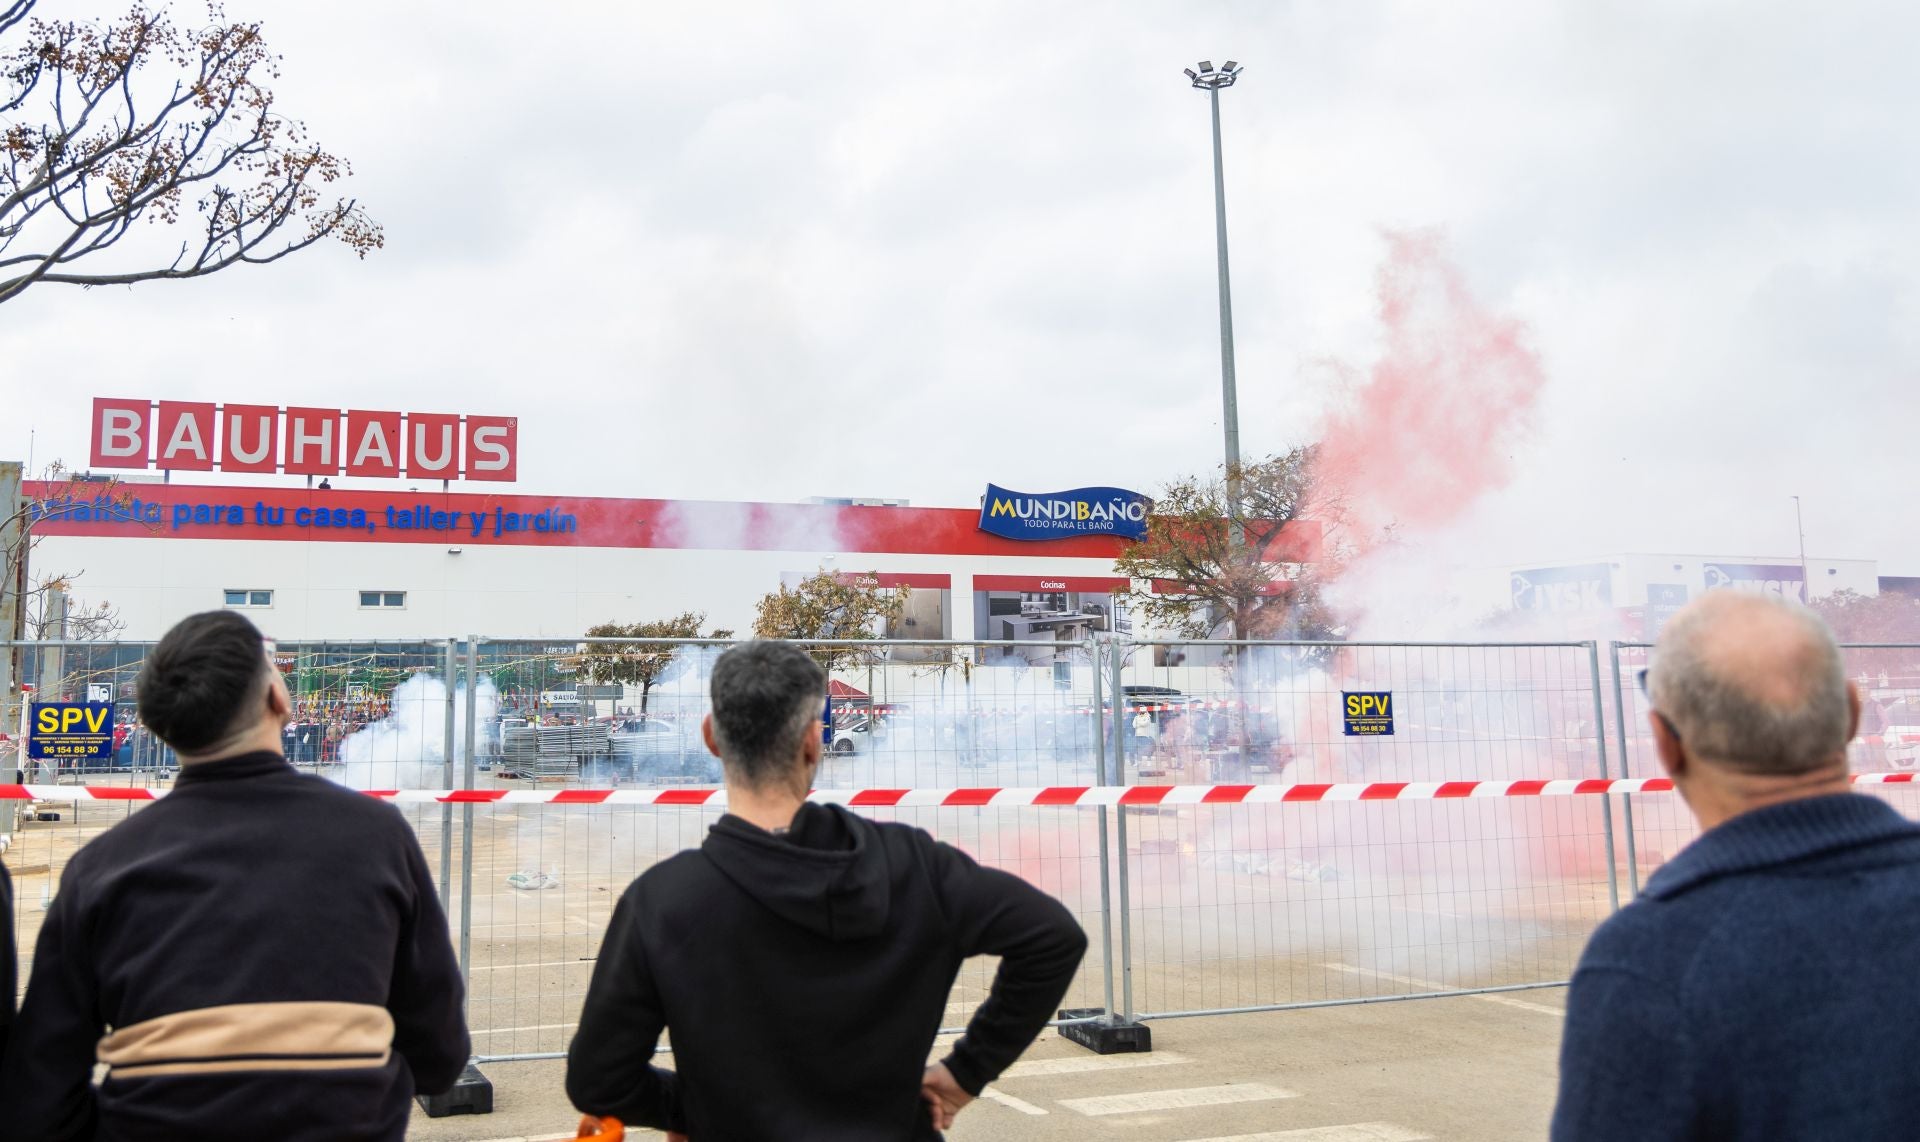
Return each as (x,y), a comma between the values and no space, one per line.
(1763,985)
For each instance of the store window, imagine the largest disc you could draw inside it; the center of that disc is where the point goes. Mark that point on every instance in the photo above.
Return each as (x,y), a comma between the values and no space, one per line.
(1049,611)
(383,600)
(249,598)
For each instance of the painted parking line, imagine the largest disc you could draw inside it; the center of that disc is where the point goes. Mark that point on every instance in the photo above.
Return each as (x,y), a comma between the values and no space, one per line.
(543,964)
(1012,1103)
(1432,985)
(535,1138)
(1185,1097)
(1352,1132)
(535,1027)
(1075,1065)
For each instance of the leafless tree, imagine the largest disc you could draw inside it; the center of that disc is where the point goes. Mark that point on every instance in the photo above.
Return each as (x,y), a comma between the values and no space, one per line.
(97,621)
(106,124)
(60,486)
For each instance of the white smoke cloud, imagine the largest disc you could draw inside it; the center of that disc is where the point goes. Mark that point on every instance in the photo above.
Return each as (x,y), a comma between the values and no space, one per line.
(408,748)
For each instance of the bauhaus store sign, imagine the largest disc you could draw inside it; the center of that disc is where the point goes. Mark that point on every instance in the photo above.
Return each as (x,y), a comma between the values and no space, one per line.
(191,436)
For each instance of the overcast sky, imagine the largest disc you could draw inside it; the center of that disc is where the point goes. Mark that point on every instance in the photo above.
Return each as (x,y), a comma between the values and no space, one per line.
(771,250)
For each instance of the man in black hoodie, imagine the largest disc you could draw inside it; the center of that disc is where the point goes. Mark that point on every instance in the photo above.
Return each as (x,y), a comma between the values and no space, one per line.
(258,954)
(801,958)
(8,982)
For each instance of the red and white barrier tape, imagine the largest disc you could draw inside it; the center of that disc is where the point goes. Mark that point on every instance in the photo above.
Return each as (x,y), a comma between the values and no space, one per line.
(1055,795)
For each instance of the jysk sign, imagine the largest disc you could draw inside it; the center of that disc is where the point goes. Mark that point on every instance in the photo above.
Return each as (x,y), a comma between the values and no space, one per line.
(71,731)
(1582,587)
(1058,515)
(1367,713)
(1759,578)
(198,437)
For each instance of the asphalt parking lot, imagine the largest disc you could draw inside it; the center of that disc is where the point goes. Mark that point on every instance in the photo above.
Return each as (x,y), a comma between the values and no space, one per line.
(1468,1069)
(1229,909)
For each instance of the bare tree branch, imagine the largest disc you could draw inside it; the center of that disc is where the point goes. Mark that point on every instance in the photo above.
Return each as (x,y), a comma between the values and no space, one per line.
(96,622)
(12,13)
(138,119)
(62,490)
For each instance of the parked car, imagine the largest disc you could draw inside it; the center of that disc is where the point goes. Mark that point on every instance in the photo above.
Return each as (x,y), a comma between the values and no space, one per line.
(851,736)
(654,747)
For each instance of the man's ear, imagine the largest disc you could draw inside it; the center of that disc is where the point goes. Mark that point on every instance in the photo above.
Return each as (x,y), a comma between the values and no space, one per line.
(1853,711)
(279,702)
(706,735)
(812,748)
(1666,743)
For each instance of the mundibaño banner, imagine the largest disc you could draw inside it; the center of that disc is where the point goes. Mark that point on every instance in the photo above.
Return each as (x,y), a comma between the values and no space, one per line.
(1057,515)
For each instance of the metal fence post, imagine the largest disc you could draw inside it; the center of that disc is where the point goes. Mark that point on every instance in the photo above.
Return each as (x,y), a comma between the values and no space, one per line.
(1117,1031)
(1626,800)
(1106,887)
(446,774)
(1600,742)
(1120,778)
(466,815)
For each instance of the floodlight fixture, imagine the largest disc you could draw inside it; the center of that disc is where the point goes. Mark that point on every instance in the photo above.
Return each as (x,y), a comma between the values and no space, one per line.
(1210,79)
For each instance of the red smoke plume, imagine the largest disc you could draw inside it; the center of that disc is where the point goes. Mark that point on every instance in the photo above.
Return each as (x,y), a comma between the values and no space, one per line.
(1433,425)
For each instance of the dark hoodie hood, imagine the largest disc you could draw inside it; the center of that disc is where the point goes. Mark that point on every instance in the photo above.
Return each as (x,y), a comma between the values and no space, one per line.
(827,873)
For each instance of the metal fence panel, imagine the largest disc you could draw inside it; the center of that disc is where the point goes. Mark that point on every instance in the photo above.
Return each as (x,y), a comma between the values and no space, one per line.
(1259,906)
(547,876)
(370,715)
(1657,826)
(1214,907)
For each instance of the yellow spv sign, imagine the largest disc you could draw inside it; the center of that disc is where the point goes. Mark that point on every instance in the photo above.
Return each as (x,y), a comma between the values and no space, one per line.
(72,731)
(1368,713)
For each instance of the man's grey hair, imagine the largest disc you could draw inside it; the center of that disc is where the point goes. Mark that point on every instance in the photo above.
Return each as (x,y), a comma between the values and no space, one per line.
(767,698)
(1774,716)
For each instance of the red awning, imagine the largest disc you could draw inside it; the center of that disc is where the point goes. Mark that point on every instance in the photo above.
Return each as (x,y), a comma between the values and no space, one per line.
(841,692)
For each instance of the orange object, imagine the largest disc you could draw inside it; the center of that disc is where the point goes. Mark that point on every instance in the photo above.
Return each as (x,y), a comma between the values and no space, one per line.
(609,1128)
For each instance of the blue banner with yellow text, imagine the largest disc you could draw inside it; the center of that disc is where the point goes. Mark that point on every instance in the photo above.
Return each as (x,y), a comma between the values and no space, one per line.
(1059,515)
(71,731)
(1368,713)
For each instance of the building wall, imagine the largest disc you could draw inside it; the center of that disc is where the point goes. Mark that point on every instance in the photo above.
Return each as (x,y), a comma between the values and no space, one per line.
(1612,582)
(517,592)
(1776,574)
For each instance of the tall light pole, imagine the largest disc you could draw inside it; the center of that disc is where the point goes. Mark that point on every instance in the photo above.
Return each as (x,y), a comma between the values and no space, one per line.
(1211,81)
(1806,584)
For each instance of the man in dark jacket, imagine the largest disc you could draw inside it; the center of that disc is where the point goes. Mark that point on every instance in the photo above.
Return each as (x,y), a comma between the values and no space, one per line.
(9,982)
(258,954)
(801,958)
(1762,986)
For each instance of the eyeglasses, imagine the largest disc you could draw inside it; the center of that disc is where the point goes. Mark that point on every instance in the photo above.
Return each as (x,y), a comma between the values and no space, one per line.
(1640,676)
